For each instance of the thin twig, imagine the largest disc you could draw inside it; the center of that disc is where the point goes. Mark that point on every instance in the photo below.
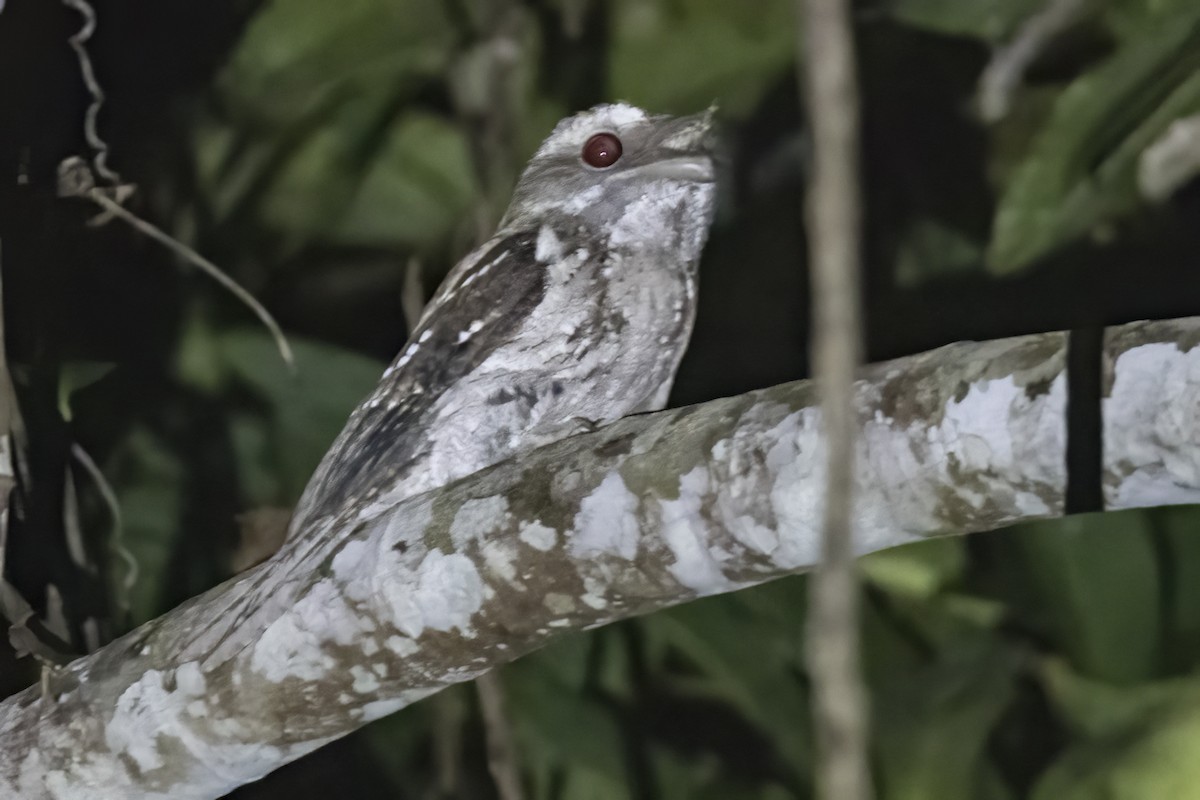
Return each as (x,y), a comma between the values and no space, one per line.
(1008,65)
(482,91)
(8,443)
(72,528)
(501,744)
(90,130)
(79,182)
(7,408)
(447,742)
(117,542)
(191,256)
(834,219)
(1171,161)
(412,294)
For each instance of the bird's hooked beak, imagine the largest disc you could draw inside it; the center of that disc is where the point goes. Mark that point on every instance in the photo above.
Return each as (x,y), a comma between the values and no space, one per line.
(684,151)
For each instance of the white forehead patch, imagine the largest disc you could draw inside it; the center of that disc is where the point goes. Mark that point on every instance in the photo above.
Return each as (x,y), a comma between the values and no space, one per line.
(585,123)
(618,113)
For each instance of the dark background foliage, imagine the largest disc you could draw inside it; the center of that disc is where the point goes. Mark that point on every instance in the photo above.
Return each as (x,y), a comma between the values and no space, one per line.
(320,153)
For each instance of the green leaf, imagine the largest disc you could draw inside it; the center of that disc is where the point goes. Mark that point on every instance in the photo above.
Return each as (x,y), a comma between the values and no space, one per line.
(1095,583)
(317,141)
(679,57)
(295,52)
(743,657)
(918,570)
(1130,18)
(417,189)
(306,410)
(1096,709)
(918,581)
(1082,171)
(1158,761)
(76,375)
(560,727)
(1139,742)
(353,176)
(932,725)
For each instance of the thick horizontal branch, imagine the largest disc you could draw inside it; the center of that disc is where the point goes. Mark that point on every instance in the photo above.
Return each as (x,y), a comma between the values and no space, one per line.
(343,628)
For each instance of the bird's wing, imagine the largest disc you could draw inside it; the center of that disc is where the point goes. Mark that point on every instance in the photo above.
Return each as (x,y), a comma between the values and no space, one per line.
(480,304)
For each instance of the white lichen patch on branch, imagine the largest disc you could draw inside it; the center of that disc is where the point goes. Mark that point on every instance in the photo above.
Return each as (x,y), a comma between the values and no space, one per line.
(991,451)
(500,560)
(607,522)
(594,591)
(696,556)
(149,711)
(994,451)
(1152,427)
(365,681)
(996,454)
(295,644)
(1003,445)
(442,594)
(538,536)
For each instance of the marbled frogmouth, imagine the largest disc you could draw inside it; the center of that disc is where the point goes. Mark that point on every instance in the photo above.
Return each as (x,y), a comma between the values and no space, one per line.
(578,308)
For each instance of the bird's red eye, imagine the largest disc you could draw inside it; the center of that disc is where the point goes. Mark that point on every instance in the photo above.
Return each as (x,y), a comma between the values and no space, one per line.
(602,151)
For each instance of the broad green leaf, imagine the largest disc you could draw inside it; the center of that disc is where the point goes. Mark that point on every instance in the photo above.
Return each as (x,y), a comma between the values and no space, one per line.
(1096,709)
(559,725)
(932,725)
(355,177)
(1160,760)
(919,570)
(296,51)
(259,473)
(919,601)
(315,140)
(1082,170)
(681,56)
(1095,583)
(306,409)
(1125,19)
(1140,742)
(417,190)
(742,658)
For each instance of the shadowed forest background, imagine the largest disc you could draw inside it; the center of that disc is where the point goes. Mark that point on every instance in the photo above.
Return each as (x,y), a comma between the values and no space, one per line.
(329,155)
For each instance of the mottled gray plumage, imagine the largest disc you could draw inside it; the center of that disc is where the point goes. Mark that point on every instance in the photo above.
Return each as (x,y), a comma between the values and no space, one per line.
(579,308)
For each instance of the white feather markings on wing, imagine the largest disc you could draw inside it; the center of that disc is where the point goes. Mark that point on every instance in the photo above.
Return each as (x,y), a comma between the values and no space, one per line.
(483,270)
(471,330)
(549,246)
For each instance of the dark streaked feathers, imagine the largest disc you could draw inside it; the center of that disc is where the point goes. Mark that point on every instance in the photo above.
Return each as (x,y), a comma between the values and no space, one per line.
(382,438)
